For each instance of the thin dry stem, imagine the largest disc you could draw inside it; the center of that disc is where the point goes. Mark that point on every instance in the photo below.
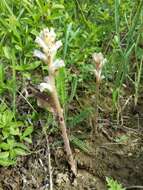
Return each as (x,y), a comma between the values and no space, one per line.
(49,162)
(96,107)
(99,62)
(61,121)
(95,125)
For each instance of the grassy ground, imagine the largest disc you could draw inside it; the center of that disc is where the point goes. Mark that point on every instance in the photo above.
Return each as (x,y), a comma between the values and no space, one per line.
(112,27)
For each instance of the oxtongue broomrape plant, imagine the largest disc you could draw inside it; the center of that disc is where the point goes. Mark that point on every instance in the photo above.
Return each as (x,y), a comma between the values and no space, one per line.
(99,62)
(47,42)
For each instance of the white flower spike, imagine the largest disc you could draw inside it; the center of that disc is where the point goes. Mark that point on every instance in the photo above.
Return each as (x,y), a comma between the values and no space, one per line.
(47,41)
(99,61)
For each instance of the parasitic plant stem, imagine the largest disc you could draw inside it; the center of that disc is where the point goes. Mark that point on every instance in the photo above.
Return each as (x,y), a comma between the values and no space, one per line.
(46,40)
(96,108)
(99,62)
(61,121)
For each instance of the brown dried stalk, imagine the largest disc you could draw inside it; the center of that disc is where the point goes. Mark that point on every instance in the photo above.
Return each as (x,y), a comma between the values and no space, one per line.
(61,121)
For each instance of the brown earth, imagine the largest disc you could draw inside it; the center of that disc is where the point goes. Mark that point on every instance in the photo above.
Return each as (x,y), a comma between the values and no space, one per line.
(117,152)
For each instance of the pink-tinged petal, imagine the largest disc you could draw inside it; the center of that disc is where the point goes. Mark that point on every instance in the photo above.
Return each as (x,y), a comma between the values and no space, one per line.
(47,79)
(40,55)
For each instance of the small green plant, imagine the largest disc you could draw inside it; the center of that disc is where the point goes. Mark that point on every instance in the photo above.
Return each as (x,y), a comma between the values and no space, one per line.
(12,137)
(113,184)
(122,139)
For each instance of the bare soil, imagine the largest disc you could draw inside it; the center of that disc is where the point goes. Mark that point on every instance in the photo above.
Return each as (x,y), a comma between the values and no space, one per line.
(116,152)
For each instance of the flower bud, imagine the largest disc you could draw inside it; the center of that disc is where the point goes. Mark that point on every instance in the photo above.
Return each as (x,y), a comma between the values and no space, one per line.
(45,86)
(99,63)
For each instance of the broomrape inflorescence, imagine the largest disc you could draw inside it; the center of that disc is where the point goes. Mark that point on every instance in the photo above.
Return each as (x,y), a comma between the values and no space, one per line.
(47,41)
(99,62)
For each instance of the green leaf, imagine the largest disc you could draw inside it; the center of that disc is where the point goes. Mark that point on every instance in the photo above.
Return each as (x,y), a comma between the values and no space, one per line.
(5,133)
(80,144)
(27,67)
(62,85)
(1,73)
(58,6)
(113,184)
(73,89)
(6,51)
(7,162)
(12,154)
(14,131)
(20,152)
(122,139)
(78,118)
(18,47)
(16,124)
(27,132)
(11,143)
(4,146)
(2,107)
(7,117)
(20,145)
(4,155)
(28,140)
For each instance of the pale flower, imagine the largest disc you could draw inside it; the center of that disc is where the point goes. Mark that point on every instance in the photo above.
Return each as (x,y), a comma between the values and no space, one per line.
(57,64)
(52,35)
(40,41)
(98,75)
(99,61)
(54,48)
(40,55)
(58,44)
(47,41)
(98,57)
(45,86)
(49,36)
(47,79)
